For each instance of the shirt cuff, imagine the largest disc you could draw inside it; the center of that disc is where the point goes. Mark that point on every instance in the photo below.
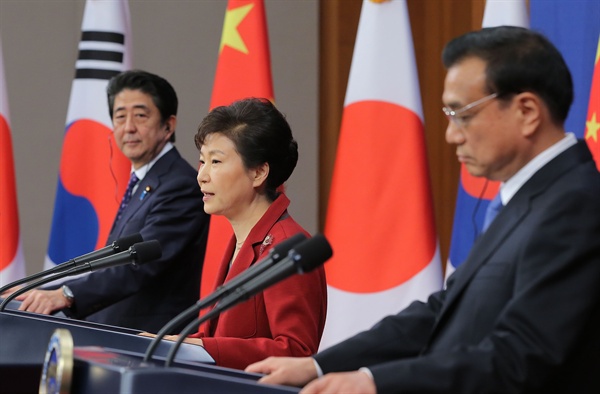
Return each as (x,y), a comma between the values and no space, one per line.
(318,368)
(364,370)
(367,371)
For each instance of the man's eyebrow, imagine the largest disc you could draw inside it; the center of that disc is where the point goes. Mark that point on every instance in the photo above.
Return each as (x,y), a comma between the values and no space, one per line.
(137,106)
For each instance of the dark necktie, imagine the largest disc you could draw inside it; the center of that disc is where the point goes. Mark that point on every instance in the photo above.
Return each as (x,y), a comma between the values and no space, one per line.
(133,180)
(492,210)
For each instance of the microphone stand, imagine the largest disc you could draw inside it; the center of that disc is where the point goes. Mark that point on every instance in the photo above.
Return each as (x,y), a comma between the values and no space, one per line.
(194,324)
(121,243)
(194,309)
(278,252)
(304,258)
(59,268)
(146,251)
(240,294)
(24,289)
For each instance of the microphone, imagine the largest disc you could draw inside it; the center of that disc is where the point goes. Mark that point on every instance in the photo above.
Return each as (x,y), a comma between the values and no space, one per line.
(137,254)
(120,245)
(305,257)
(277,253)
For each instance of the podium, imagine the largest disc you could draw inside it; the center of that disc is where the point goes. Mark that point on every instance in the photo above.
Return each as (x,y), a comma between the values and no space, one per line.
(99,370)
(109,359)
(24,339)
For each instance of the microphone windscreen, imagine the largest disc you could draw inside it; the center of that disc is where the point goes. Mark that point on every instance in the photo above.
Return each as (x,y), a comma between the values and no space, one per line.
(284,246)
(146,251)
(312,253)
(127,241)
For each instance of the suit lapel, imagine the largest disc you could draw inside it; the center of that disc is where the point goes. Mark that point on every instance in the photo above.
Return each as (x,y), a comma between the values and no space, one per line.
(146,187)
(486,245)
(507,220)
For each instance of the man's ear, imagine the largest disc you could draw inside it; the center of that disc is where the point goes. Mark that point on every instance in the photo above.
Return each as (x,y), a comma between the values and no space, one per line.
(170,125)
(531,109)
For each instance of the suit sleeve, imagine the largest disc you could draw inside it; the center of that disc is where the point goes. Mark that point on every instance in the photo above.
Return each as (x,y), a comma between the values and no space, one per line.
(175,218)
(397,336)
(554,300)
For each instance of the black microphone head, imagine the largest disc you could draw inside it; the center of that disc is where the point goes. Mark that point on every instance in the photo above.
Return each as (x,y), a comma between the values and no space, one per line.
(124,243)
(311,253)
(145,252)
(281,250)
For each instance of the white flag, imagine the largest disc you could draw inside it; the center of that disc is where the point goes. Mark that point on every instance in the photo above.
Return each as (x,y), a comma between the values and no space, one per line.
(93,172)
(12,263)
(380,220)
(505,12)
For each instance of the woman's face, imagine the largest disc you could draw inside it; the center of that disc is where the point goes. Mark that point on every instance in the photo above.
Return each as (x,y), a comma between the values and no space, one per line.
(227,185)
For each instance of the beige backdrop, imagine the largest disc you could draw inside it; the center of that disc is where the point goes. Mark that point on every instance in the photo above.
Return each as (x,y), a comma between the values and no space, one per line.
(177,39)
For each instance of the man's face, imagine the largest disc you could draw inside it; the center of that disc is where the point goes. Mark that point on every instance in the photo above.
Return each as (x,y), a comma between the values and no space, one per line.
(487,136)
(137,127)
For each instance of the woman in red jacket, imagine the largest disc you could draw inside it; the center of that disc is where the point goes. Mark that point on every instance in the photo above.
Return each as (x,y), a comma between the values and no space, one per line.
(247,152)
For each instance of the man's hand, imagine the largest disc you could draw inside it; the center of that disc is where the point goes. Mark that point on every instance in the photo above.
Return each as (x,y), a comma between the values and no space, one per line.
(292,371)
(10,291)
(43,301)
(355,382)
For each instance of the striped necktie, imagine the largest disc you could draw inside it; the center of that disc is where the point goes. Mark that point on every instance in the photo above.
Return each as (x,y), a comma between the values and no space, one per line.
(133,180)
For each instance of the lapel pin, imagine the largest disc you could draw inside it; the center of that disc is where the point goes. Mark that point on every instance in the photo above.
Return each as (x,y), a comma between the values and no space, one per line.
(147,190)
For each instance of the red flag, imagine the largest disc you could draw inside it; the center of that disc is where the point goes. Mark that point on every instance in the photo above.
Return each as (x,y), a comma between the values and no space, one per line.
(592,124)
(12,263)
(380,218)
(243,70)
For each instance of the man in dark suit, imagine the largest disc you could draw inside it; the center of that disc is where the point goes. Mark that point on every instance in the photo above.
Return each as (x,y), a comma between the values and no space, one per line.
(165,204)
(522,313)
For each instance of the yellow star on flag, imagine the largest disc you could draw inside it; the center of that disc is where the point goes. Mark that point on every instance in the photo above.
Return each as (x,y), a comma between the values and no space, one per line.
(231,37)
(592,128)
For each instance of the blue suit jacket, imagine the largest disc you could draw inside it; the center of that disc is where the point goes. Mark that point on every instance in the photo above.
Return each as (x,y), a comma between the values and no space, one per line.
(521,315)
(167,206)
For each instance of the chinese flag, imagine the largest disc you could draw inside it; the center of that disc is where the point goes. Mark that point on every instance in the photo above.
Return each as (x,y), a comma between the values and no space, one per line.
(575,30)
(243,70)
(592,123)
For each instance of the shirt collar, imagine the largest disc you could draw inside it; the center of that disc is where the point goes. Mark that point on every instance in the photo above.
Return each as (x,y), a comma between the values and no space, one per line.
(143,170)
(509,188)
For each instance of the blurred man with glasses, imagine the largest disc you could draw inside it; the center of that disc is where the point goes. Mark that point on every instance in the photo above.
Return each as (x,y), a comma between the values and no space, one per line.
(522,313)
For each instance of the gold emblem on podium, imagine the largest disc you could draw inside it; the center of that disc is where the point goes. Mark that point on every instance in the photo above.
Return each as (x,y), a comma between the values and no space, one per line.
(58,364)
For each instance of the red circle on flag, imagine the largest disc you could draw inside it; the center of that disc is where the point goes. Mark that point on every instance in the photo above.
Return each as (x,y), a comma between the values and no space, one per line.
(93,167)
(478,187)
(8,198)
(380,219)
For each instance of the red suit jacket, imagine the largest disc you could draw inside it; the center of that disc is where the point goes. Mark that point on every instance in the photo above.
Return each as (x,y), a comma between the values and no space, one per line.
(286,319)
